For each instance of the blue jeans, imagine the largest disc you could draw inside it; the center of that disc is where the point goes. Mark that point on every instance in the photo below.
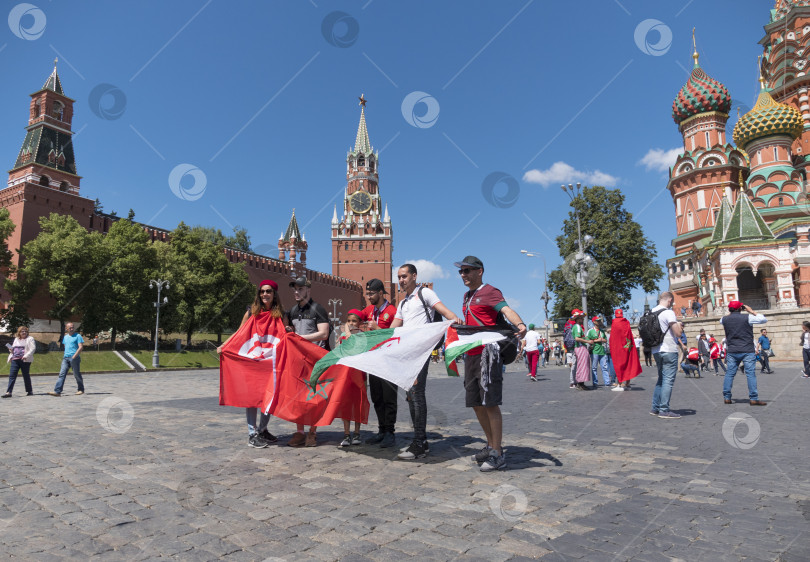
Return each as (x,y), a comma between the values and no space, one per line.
(611,369)
(250,413)
(601,361)
(18,365)
(667,364)
(749,361)
(68,363)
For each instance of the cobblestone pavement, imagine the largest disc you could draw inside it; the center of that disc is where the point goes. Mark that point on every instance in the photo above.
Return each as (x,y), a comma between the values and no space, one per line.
(147,466)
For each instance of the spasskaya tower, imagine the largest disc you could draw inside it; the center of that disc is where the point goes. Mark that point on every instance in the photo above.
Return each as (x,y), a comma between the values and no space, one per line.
(362,237)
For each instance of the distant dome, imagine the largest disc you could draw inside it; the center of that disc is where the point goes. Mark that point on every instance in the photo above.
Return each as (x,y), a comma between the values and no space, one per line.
(700,94)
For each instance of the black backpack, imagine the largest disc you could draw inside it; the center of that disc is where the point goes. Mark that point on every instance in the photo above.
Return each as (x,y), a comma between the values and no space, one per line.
(568,337)
(649,328)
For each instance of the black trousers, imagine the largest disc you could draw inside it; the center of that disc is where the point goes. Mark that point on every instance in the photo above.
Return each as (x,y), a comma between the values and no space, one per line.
(765,360)
(384,398)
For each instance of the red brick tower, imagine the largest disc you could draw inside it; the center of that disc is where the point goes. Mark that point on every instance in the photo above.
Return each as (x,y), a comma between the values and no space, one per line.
(362,239)
(291,244)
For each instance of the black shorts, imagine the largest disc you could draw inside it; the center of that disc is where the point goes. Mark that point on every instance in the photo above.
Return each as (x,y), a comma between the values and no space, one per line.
(474,394)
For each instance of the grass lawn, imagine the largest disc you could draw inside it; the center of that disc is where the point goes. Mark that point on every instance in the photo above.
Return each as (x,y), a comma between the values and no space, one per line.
(91,361)
(187,359)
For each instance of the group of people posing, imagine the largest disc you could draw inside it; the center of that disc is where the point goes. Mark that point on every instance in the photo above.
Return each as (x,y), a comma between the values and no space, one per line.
(482,305)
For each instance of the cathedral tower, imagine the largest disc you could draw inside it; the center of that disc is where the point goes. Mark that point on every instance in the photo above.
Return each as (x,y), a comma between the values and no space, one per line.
(362,236)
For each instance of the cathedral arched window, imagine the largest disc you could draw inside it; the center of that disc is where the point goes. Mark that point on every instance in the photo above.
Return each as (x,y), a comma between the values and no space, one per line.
(360,246)
(44,180)
(371,165)
(361,161)
(346,247)
(690,221)
(63,186)
(683,266)
(58,110)
(781,201)
(37,109)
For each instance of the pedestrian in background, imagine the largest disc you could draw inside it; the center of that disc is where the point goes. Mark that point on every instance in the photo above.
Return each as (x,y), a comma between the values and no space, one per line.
(764,351)
(73,343)
(20,357)
(598,339)
(740,336)
(716,354)
(623,351)
(805,343)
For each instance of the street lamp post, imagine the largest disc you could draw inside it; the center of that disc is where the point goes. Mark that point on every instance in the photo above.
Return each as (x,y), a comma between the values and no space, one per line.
(544,297)
(335,303)
(161,284)
(583,260)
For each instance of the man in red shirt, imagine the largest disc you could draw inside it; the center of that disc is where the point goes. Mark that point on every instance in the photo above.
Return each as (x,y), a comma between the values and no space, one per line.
(379,314)
(482,304)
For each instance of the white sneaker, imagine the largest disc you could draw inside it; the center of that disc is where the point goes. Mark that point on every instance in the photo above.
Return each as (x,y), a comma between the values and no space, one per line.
(617,389)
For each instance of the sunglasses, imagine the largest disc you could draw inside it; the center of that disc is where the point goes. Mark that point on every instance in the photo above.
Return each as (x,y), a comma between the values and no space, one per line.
(466,270)
(266,292)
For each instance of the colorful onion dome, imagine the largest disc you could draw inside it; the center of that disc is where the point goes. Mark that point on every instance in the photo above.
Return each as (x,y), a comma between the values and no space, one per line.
(700,94)
(769,117)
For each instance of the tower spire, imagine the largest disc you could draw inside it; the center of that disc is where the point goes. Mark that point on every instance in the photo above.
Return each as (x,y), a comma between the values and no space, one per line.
(362,142)
(695,54)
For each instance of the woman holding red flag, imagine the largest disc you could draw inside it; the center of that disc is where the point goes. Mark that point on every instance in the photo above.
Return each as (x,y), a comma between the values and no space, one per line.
(266,306)
(623,351)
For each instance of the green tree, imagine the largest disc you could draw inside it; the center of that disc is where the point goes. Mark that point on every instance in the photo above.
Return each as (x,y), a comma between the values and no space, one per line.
(6,228)
(66,261)
(122,299)
(239,241)
(626,258)
(207,288)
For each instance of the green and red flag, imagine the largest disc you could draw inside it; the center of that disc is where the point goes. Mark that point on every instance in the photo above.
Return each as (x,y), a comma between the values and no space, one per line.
(456,344)
(394,354)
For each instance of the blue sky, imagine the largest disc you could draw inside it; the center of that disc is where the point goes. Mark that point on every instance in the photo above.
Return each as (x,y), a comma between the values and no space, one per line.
(261,98)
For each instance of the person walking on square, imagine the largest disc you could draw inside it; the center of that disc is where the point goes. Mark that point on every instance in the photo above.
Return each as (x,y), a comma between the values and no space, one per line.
(764,351)
(664,343)
(740,335)
(805,343)
(483,303)
(266,301)
(531,347)
(20,357)
(623,351)
(599,358)
(378,315)
(582,355)
(73,343)
(310,321)
(716,354)
(417,307)
(570,347)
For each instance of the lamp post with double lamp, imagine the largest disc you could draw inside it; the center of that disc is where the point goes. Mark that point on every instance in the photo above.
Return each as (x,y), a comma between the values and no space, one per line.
(544,297)
(161,284)
(583,260)
(335,318)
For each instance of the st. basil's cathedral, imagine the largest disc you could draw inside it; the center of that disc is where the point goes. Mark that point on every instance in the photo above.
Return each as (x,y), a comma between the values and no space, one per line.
(742,210)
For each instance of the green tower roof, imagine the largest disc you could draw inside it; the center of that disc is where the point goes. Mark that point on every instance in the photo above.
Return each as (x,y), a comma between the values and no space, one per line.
(721,224)
(746,223)
(292,229)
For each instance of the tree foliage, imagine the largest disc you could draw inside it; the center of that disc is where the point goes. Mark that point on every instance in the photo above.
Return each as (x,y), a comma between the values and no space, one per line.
(6,228)
(626,258)
(239,241)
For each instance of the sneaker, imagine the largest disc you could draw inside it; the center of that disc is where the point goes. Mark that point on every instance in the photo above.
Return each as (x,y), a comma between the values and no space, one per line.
(425,444)
(483,454)
(653,412)
(257,442)
(267,436)
(806,376)
(494,462)
(347,441)
(572,385)
(375,439)
(533,379)
(311,439)
(29,393)
(617,389)
(356,439)
(6,395)
(52,393)
(79,393)
(669,415)
(388,440)
(297,440)
(414,451)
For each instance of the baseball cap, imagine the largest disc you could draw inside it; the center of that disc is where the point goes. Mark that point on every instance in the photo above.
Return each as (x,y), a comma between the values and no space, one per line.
(375,285)
(470,261)
(577,312)
(531,326)
(734,305)
(618,313)
(596,319)
(300,282)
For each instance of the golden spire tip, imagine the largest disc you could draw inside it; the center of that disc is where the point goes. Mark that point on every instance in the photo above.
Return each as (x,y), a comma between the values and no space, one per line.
(695,54)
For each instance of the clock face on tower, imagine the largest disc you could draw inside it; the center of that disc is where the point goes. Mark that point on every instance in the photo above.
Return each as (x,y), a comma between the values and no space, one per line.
(360,202)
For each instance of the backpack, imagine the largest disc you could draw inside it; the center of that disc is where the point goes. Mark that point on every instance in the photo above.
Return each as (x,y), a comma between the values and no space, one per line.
(693,354)
(649,328)
(568,337)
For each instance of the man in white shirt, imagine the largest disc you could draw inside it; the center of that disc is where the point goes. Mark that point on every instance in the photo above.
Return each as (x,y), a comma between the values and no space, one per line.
(531,345)
(418,307)
(666,357)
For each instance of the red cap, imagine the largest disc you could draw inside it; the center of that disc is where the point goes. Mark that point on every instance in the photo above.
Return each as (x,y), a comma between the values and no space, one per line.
(355,312)
(618,313)
(734,305)
(596,319)
(269,282)
(576,312)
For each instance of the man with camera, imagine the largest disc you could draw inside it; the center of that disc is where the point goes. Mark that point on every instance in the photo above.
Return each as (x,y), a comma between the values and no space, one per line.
(740,339)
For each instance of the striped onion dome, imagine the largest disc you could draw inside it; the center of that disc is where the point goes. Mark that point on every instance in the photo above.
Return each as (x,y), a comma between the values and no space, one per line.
(769,117)
(700,94)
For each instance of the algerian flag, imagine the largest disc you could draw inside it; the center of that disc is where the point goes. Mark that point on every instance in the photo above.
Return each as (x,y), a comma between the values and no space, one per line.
(456,344)
(396,355)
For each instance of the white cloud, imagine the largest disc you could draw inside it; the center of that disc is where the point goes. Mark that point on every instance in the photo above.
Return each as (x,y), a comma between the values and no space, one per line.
(659,159)
(560,173)
(426,271)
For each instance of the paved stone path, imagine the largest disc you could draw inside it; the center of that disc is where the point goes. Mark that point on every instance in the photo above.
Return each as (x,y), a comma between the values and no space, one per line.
(148,466)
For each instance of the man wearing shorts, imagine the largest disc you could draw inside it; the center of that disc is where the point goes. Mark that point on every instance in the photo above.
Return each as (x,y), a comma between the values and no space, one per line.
(482,304)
